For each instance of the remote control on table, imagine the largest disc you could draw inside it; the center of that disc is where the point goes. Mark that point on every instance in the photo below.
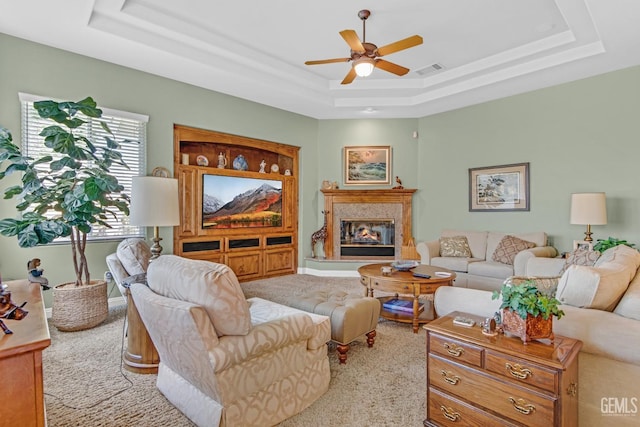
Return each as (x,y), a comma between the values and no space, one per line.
(463,321)
(422,275)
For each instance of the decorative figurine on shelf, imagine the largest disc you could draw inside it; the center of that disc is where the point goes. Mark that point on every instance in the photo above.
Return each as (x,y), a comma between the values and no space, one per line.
(222,161)
(263,165)
(399,182)
(35,274)
(319,236)
(240,163)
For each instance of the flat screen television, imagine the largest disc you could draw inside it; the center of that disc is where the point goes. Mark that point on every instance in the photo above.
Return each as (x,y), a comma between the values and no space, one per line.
(230,202)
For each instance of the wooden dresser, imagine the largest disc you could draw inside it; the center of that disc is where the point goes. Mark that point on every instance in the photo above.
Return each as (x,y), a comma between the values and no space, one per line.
(477,380)
(21,392)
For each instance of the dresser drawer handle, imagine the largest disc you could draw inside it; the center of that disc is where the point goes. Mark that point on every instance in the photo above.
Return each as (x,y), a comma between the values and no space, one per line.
(453,349)
(450,378)
(522,406)
(518,371)
(450,414)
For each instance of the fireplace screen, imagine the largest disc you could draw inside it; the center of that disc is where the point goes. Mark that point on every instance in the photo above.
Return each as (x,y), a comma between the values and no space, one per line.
(367,237)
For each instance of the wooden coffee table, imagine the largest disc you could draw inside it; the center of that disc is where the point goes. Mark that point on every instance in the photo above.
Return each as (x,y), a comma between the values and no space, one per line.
(405,283)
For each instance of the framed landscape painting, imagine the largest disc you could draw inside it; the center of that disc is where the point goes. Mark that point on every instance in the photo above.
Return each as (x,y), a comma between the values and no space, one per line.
(367,165)
(499,188)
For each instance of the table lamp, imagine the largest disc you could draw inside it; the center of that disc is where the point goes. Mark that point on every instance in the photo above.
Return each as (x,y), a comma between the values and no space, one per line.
(154,203)
(588,209)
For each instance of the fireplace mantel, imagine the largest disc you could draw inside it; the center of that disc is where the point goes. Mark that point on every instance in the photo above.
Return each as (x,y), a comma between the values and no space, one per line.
(401,197)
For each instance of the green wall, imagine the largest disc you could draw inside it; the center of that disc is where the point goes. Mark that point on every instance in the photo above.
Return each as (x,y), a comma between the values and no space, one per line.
(577,137)
(40,70)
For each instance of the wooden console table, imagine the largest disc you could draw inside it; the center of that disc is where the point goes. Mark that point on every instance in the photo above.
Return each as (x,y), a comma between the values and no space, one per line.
(474,379)
(22,390)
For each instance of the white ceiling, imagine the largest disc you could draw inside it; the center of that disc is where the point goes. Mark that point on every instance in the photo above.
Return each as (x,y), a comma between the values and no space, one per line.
(256,49)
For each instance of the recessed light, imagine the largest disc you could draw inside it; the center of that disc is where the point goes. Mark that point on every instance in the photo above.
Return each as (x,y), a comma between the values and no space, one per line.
(369,110)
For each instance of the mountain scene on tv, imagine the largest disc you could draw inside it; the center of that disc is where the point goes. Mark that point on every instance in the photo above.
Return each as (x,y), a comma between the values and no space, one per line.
(258,206)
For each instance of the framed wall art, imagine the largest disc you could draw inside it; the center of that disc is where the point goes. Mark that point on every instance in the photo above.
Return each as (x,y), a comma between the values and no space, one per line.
(582,245)
(499,188)
(367,165)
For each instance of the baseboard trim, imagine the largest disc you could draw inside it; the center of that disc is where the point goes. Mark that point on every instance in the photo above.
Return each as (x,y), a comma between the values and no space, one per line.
(327,273)
(112,302)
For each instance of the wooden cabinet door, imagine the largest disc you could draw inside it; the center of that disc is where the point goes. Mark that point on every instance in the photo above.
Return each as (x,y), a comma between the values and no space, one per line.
(246,265)
(279,261)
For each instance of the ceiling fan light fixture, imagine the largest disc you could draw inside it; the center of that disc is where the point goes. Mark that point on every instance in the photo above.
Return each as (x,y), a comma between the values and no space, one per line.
(364,66)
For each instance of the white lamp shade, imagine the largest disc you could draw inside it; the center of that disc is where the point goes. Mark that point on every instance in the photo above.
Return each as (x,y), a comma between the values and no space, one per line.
(154,202)
(363,66)
(588,208)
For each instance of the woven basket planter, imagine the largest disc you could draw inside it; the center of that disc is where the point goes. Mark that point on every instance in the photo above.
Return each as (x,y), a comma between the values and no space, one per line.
(79,307)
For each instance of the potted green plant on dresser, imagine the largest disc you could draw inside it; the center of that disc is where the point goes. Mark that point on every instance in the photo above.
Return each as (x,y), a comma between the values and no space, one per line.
(527,312)
(64,191)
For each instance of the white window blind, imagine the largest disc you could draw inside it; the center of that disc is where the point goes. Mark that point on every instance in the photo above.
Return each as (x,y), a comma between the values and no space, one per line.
(125,126)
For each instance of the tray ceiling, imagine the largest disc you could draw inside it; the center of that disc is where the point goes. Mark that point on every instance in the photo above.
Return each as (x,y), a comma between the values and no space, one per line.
(473,51)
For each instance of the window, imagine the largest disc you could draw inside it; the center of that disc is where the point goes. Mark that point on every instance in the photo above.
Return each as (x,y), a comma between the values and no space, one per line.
(124,125)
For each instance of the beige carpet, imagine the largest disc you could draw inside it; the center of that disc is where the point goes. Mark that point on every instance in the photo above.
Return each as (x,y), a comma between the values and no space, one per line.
(380,386)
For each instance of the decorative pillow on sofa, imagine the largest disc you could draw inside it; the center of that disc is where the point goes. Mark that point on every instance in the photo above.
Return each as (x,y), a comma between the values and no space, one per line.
(134,255)
(456,246)
(580,257)
(210,285)
(509,247)
(546,285)
(601,286)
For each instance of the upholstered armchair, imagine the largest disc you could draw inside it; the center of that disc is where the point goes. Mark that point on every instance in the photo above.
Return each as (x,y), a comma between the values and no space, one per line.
(130,259)
(226,360)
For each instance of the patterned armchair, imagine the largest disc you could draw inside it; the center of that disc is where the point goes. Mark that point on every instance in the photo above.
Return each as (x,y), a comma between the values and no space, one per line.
(225,360)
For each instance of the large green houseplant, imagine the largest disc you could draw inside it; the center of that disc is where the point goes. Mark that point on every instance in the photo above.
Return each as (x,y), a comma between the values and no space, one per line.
(527,311)
(66,193)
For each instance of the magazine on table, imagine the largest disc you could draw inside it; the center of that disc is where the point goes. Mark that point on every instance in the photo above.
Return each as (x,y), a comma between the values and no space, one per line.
(398,304)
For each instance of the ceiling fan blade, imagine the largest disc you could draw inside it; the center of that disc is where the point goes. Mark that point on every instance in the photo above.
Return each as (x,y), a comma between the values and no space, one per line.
(399,45)
(352,40)
(391,67)
(327,61)
(351,75)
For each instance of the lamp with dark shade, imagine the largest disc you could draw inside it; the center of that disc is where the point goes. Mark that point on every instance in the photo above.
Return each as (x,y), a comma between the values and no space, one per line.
(588,209)
(154,203)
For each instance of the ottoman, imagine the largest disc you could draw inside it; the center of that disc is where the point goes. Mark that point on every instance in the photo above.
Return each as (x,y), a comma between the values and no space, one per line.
(351,316)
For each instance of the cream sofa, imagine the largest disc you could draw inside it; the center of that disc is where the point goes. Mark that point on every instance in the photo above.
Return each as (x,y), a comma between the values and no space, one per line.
(227,361)
(479,271)
(609,362)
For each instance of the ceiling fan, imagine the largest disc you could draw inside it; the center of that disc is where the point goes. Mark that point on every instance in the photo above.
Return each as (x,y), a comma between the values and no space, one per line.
(366,56)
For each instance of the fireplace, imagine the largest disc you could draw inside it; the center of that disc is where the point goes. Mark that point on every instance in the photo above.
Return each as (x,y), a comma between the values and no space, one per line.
(367,237)
(367,224)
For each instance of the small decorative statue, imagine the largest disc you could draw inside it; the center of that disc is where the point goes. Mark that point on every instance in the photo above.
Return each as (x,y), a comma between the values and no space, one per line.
(222,161)
(263,164)
(35,274)
(319,236)
(399,182)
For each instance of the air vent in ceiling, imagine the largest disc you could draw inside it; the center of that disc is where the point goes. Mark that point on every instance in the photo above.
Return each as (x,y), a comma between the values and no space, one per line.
(430,69)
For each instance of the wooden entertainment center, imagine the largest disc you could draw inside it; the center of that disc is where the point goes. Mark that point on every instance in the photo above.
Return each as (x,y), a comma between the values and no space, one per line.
(251,251)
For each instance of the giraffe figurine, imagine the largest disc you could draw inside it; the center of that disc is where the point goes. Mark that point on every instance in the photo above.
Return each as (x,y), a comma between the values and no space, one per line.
(319,236)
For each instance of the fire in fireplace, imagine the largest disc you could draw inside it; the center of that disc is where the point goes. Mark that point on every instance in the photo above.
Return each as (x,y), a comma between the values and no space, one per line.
(367,237)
